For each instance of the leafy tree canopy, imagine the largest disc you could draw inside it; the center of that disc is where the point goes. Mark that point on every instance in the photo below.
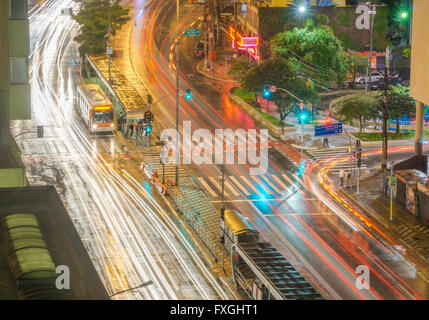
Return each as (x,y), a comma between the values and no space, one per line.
(314,51)
(93,21)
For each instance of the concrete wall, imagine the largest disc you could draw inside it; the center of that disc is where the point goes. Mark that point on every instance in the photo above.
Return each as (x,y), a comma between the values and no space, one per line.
(419,86)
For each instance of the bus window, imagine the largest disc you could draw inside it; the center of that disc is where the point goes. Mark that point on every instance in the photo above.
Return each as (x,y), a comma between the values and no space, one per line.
(102,116)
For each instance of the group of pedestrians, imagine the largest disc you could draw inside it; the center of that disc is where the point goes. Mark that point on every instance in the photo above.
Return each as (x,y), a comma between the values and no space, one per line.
(131,128)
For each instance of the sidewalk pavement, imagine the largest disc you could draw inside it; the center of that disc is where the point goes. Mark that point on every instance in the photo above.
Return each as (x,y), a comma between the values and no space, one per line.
(410,231)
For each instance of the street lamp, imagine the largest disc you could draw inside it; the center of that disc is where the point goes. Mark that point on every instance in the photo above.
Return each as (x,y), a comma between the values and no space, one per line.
(372,13)
(302,9)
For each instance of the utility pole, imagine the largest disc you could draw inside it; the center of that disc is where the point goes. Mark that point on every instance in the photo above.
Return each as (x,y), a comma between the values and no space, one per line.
(109,49)
(177,96)
(384,141)
(368,72)
(222,214)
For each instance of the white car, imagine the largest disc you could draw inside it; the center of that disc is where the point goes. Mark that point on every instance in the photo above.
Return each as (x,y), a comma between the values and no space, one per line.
(375,76)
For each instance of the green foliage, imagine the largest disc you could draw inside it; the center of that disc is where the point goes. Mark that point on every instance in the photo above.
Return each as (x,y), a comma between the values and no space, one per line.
(314,51)
(247,96)
(239,68)
(361,107)
(274,71)
(93,21)
(358,64)
(377,136)
(399,103)
(271,118)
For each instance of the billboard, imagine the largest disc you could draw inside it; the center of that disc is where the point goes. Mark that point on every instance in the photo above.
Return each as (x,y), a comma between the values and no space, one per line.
(419,85)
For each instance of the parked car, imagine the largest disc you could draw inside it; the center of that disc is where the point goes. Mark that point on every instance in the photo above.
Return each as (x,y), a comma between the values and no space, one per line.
(199,50)
(375,76)
(379,85)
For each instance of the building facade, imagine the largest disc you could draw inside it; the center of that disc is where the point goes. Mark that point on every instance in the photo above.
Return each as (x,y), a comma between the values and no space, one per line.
(15,103)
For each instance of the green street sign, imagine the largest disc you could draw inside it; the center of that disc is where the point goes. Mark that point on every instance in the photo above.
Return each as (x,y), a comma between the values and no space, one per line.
(192,32)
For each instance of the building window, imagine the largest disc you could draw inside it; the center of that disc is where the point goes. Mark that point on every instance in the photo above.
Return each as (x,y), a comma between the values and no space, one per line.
(18,9)
(18,70)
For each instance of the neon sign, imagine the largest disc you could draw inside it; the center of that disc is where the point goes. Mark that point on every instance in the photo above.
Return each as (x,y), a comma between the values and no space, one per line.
(249,44)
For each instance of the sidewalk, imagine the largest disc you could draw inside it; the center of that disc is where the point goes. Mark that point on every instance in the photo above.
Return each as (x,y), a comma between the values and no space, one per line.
(220,66)
(411,232)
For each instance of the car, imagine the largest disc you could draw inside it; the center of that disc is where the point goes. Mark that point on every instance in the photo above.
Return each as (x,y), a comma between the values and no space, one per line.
(201,1)
(375,76)
(199,50)
(379,85)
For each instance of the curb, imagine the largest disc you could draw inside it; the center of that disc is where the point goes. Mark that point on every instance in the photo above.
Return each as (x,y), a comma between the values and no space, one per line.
(210,76)
(375,215)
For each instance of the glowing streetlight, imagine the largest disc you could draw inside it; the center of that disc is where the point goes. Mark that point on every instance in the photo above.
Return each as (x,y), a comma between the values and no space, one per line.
(404,15)
(301,9)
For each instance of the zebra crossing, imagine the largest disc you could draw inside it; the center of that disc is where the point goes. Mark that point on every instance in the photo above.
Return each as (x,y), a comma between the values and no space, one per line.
(280,184)
(327,156)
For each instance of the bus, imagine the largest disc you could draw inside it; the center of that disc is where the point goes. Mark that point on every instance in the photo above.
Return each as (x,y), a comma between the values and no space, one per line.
(95,108)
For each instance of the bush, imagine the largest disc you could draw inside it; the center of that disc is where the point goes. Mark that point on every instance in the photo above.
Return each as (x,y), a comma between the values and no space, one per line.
(247,96)
(377,136)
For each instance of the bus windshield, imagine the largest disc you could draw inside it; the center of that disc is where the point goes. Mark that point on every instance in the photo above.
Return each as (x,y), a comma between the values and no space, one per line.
(102,116)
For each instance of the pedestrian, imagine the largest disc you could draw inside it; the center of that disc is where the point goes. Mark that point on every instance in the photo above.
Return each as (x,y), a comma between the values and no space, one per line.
(121,121)
(130,128)
(325,142)
(342,178)
(349,175)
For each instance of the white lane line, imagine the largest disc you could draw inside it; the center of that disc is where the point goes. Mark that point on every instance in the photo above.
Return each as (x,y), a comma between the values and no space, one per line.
(219,188)
(291,182)
(280,182)
(259,182)
(205,185)
(267,180)
(230,187)
(249,184)
(243,189)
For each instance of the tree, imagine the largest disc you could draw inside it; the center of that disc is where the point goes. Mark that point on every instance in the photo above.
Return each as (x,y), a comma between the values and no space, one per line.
(315,51)
(358,64)
(93,20)
(239,68)
(359,106)
(399,103)
(274,71)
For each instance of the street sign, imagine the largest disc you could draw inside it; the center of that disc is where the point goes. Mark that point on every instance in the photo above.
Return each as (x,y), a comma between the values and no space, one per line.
(301,105)
(273,89)
(192,32)
(328,129)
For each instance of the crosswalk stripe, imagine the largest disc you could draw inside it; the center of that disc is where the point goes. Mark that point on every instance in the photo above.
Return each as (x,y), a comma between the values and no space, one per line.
(216,184)
(249,184)
(259,182)
(298,179)
(26,147)
(230,187)
(290,181)
(243,189)
(280,182)
(267,180)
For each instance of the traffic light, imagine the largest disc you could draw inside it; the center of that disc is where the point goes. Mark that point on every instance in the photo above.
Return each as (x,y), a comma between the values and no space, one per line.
(188,94)
(148,129)
(148,116)
(303,116)
(301,169)
(149,99)
(40,132)
(266,91)
(327,121)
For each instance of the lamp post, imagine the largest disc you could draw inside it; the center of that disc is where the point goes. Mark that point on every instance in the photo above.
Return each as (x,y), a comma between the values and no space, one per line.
(109,48)
(177,96)
(372,14)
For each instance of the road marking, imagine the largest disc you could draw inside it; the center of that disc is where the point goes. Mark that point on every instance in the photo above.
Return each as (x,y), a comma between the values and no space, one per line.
(292,183)
(259,182)
(230,187)
(247,193)
(300,214)
(216,184)
(210,190)
(280,182)
(298,179)
(249,184)
(267,180)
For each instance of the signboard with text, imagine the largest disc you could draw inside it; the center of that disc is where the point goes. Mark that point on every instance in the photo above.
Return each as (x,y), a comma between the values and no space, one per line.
(192,32)
(328,129)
